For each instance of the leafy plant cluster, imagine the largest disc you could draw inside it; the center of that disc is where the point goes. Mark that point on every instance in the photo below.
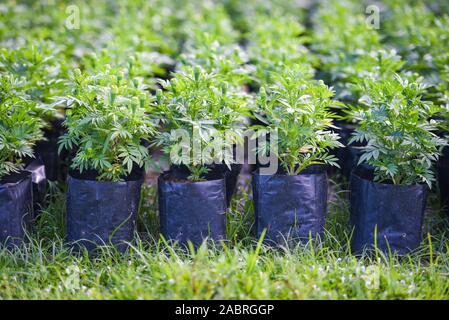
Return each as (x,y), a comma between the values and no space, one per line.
(213,44)
(299,109)
(410,30)
(20,127)
(107,122)
(199,103)
(353,61)
(274,42)
(348,48)
(400,141)
(205,97)
(422,37)
(39,67)
(220,46)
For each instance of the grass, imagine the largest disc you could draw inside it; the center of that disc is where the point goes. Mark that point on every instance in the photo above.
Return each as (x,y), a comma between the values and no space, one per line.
(45,268)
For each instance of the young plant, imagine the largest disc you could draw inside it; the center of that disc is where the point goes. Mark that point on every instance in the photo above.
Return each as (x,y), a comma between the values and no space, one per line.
(276,41)
(377,65)
(339,26)
(298,108)
(208,115)
(38,66)
(107,121)
(400,143)
(409,28)
(20,127)
(210,18)
(229,61)
(344,43)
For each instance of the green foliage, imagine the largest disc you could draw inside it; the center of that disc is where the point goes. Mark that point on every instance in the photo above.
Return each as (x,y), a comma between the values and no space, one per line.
(208,18)
(38,65)
(109,113)
(20,128)
(437,59)
(348,48)
(200,104)
(242,13)
(228,61)
(141,66)
(421,36)
(138,43)
(401,145)
(107,119)
(213,44)
(409,28)
(276,41)
(298,108)
(347,74)
(340,27)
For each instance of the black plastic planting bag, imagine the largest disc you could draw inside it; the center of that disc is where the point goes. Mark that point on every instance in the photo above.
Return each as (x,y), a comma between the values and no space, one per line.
(100,212)
(443,182)
(38,177)
(15,207)
(349,155)
(350,158)
(395,211)
(216,171)
(48,152)
(290,207)
(231,179)
(192,211)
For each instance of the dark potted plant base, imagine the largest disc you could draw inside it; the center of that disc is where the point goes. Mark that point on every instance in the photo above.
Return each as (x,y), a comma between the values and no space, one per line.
(192,211)
(47,151)
(443,180)
(292,208)
(102,212)
(16,212)
(39,180)
(349,155)
(231,178)
(395,211)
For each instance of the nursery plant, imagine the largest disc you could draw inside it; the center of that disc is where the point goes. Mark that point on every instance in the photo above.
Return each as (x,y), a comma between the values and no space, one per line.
(20,125)
(422,36)
(216,50)
(408,28)
(107,123)
(229,62)
(276,42)
(39,65)
(389,189)
(341,38)
(195,100)
(291,204)
(208,18)
(375,65)
(299,109)
(107,119)
(401,141)
(20,129)
(192,196)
